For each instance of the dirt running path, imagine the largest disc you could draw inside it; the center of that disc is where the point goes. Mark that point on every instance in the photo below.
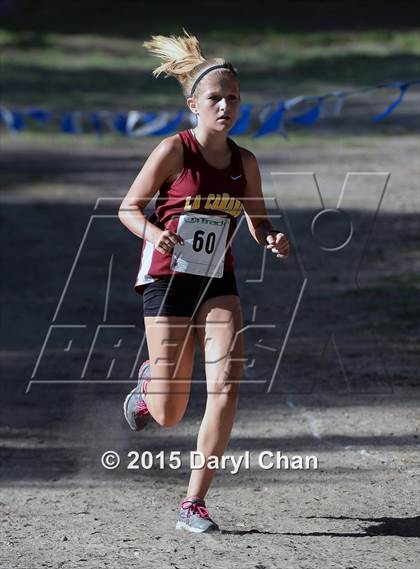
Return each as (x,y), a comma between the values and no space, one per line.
(346,387)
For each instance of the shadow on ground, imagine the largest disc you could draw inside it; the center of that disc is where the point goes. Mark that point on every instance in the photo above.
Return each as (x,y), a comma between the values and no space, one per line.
(373,326)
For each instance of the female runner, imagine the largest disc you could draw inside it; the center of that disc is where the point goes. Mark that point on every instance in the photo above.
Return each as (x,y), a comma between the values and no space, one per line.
(186,273)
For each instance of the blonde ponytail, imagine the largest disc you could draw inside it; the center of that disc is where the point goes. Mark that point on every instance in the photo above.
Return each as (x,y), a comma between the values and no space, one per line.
(182,58)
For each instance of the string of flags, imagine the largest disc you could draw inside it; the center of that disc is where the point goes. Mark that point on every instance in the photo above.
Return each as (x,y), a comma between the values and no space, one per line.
(263,119)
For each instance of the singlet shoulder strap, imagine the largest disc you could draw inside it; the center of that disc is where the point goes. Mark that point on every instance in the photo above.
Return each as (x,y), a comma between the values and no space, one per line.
(189,147)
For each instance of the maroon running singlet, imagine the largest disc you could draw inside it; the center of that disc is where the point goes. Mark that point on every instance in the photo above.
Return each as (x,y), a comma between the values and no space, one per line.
(199,189)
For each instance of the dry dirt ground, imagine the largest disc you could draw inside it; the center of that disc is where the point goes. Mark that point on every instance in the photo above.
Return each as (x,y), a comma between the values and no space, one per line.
(332,369)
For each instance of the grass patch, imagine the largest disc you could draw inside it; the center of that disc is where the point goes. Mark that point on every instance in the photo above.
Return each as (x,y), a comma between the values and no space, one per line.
(274,143)
(84,71)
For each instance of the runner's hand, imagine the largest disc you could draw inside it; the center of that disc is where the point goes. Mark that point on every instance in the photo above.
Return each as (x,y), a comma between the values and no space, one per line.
(167,241)
(278,244)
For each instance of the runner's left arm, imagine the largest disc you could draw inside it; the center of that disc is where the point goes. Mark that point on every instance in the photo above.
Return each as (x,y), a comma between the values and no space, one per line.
(258,221)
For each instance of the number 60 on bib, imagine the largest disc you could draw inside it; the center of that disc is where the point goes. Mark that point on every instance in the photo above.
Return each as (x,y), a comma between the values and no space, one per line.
(203,252)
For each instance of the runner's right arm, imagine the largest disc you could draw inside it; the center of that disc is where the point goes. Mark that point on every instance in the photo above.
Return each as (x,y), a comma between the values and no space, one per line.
(165,161)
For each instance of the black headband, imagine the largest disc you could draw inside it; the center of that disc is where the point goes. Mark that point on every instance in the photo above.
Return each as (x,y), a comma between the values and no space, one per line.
(219,66)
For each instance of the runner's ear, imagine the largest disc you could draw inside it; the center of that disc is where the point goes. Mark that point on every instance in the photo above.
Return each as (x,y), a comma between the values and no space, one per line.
(192,105)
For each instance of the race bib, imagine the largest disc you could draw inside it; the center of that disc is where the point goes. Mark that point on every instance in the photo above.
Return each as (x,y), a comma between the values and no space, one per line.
(203,252)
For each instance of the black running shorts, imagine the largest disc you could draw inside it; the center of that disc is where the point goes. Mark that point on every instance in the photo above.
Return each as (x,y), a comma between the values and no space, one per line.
(181,296)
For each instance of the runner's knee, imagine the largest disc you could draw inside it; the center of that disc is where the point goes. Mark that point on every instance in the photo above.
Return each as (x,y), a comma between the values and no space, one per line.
(167,416)
(170,410)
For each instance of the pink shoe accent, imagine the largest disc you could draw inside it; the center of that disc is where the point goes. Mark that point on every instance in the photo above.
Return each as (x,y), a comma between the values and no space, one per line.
(141,407)
(195,508)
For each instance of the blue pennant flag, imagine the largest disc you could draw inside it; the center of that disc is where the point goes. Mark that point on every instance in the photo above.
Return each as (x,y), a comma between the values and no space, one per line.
(242,124)
(134,117)
(151,123)
(67,124)
(273,122)
(120,123)
(311,116)
(146,120)
(95,121)
(17,121)
(12,119)
(170,127)
(149,116)
(391,108)
(39,115)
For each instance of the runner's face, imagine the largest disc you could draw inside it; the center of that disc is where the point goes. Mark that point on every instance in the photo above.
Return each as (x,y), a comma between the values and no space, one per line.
(217,101)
